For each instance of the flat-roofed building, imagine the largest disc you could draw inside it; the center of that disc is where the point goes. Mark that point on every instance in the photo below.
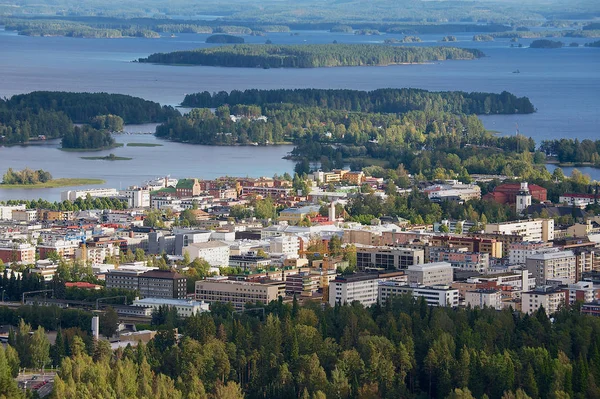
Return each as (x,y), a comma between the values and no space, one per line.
(551,298)
(216,253)
(361,287)
(438,295)
(471,261)
(491,298)
(518,252)
(389,258)
(430,274)
(184,307)
(162,284)
(238,293)
(530,230)
(552,265)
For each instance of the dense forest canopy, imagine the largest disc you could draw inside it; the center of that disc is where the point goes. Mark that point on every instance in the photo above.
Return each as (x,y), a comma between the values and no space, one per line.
(400,349)
(381,100)
(310,55)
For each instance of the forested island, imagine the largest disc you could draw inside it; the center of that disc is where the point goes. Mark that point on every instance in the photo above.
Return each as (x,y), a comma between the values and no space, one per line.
(546,44)
(310,55)
(381,100)
(483,38)
(46,115)
(593,44)
(225,39)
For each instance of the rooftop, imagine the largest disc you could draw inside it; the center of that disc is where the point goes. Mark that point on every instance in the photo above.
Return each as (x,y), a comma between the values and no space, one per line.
(170,302)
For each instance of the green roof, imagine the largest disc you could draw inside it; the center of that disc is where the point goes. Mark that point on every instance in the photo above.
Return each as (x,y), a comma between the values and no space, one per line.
(186,183)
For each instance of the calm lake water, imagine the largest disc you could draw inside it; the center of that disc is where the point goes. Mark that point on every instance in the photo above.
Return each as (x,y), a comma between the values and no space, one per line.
(563,84)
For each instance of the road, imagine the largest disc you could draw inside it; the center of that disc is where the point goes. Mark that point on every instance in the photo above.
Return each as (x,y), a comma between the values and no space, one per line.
(42,383)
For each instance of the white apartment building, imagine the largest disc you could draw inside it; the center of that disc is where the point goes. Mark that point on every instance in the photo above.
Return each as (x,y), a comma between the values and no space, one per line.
(553,265)
(72,195)
(238,293)
(549,297)
(97,254)
(6,211)
(582,291)
(530,230)
(288,245)
(216,253)
(430,274)
(361,287)
(518,252)
(137,197)
(438,295)
(184,307)
(484,298)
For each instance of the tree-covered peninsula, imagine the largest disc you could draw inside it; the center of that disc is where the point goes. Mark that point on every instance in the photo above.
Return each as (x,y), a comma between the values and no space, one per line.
(50,115)
(380,100)
(310,55)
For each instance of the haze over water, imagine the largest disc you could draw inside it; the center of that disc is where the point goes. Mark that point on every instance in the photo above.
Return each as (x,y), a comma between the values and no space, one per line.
(563,84)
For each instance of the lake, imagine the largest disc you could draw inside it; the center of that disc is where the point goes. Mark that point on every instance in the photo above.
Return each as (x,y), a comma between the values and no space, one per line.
(563,84)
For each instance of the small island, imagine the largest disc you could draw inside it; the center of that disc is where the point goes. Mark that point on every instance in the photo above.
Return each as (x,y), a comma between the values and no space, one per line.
(483,38)
(222,39)
(28,178)
(109,157)
(593,44)
(310,55)
(449,39)
(411,39)
(544,43)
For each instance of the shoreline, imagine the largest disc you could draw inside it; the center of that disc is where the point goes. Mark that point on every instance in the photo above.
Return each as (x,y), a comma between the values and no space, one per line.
(54,183)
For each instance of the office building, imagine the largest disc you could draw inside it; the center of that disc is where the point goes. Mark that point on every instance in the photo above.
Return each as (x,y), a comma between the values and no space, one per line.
(530,230)
(184,307)
(361,287)
(388,258)
(238,293)
(438,295)
(430,274)
(216,253)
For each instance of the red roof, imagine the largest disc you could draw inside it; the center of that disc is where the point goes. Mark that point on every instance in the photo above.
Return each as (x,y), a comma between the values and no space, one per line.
(83,285)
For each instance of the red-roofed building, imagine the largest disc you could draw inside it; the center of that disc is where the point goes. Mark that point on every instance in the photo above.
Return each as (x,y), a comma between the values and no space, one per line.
(507,193)
(83,285)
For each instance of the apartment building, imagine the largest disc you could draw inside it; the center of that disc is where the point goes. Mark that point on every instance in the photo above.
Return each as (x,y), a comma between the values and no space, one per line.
(438,295)
(17,252)
(288,245)
(491,298)
(518,252)
(550,298)
(216,253)
(429,274)
(25,215)
(72,195)
(552,266)
(581,291)
(472,261)
(490,246)
(389,258)
(530,230)
(238,293)
(7,210)
(361,287)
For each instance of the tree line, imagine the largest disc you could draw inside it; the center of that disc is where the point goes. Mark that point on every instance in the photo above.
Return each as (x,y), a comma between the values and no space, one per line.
(80,204)
(569,150)
(402,348)
(26,176)
(380,100)
(310,55)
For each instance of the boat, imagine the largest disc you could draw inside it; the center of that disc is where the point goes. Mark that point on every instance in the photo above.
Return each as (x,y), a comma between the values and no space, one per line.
(517,71)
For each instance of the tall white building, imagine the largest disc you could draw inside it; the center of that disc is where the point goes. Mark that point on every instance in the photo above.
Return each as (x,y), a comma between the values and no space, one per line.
(288,245)
(518,252)
(491,298)
(430,274)
(216,253)
(137,197)
(361,287)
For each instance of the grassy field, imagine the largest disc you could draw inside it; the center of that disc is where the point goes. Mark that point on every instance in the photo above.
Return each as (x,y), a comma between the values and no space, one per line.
(143,145)
(55,183)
